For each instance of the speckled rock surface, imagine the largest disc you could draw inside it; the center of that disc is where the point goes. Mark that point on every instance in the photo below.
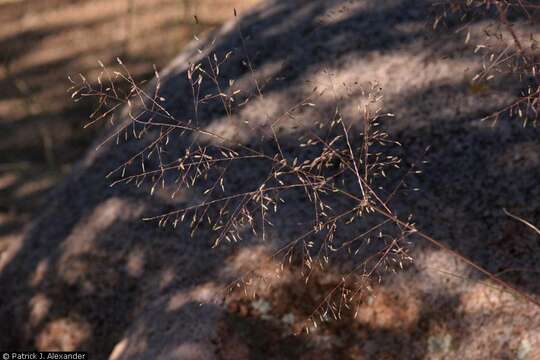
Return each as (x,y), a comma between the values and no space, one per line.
(89,274)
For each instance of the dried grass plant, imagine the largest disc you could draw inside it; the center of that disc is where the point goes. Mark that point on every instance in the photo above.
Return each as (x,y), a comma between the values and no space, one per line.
(345,168)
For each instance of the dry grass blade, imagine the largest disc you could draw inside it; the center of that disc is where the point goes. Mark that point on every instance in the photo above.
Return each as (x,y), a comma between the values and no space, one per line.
(531,226)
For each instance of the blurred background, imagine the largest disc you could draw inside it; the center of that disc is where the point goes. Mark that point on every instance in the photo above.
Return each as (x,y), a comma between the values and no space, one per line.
(42,42)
